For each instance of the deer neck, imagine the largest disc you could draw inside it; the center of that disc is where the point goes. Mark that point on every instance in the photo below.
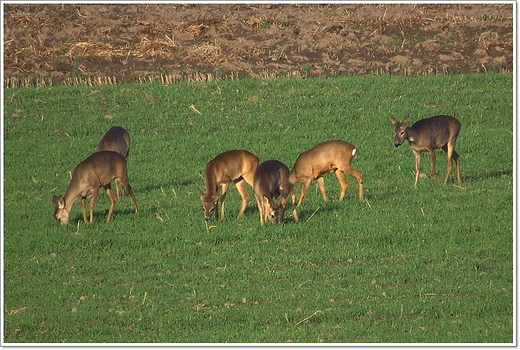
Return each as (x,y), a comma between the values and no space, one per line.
(411,135)
(210,179)
(72,194)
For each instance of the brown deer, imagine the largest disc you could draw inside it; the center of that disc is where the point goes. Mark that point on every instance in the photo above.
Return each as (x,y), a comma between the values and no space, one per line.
(323,158)
(96,171)
(116,139)
(426,135)
(271,185)
(236,166)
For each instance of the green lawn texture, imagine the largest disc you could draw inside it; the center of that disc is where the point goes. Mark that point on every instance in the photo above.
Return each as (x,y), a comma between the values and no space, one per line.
(425,264)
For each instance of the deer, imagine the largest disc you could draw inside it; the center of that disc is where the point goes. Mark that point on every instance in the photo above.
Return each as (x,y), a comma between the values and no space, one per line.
(116,139)
(96,171)
(427,135)
(237,166)
(271,186)
(328,156)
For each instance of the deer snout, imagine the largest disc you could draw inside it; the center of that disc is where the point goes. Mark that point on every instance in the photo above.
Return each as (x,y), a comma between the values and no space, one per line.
(397,143)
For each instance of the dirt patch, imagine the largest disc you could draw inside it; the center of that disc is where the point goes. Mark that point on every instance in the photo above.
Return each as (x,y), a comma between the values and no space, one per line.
(51,44)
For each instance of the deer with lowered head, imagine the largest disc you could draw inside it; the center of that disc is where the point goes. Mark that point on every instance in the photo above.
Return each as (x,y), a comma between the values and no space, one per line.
(116,139)
(96,171)
(335,155)
(236,166)
(271,185)
(426,135)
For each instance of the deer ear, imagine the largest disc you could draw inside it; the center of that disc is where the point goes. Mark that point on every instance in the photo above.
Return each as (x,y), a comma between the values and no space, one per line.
(60,202)
(406,117)
(266,201)
(393,120)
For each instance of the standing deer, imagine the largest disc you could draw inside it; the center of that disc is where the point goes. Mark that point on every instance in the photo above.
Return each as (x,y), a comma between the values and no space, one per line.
(236,166)
(323,158)
(117,140)
(426,135)
(271,185)
(97,171)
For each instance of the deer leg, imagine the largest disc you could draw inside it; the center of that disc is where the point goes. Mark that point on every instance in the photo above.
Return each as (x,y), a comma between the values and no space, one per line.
(306,184)
(433,159)
(113,201)
(84,208)
(130,191)
(342,183)
(321,186)
(223,192)
(457,164)
(417,155)
(93,198)
(241,187)
(260,209)
(358,175)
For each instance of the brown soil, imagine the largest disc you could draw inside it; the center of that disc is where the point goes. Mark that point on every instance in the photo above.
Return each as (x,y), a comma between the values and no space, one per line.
(50,44)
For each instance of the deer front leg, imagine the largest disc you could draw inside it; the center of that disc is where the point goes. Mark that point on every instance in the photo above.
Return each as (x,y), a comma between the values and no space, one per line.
(343,184)
(306,184)
(358,175)
(223,193)
(241,187)
(417,155)
(321,186)
(93,198)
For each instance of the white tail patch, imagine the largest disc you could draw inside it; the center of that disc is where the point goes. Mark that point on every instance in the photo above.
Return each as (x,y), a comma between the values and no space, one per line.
(354,152)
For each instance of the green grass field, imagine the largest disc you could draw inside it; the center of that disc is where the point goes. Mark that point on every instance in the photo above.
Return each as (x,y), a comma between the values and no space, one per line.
(425,264)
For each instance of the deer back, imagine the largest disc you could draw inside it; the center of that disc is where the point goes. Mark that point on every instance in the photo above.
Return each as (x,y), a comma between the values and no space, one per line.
(229,166)
(321,159)
(116,139)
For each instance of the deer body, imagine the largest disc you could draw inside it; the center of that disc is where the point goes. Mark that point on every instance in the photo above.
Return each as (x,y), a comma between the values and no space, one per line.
(96,171)
(116,139)
(335,155)
(236,166)
(426,135)
(271,185)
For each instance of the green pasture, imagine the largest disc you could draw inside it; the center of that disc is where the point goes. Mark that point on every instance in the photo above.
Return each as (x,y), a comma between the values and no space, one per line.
(425,264)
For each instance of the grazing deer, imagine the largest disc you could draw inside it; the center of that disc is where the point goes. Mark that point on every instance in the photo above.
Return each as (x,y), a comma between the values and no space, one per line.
(323,158)
(236,166)
(97,171)
(117,140)
(271,185)
(426,135)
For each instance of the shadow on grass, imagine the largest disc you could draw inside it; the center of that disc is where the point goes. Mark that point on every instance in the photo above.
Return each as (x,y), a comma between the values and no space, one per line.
(486,175)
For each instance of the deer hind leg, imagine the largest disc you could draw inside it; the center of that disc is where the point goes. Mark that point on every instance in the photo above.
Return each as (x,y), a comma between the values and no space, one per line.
(126,185)
(84,208)
(457,164)
(452,156)
(241,187)
(358,175)
(113,201)
(321,186)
